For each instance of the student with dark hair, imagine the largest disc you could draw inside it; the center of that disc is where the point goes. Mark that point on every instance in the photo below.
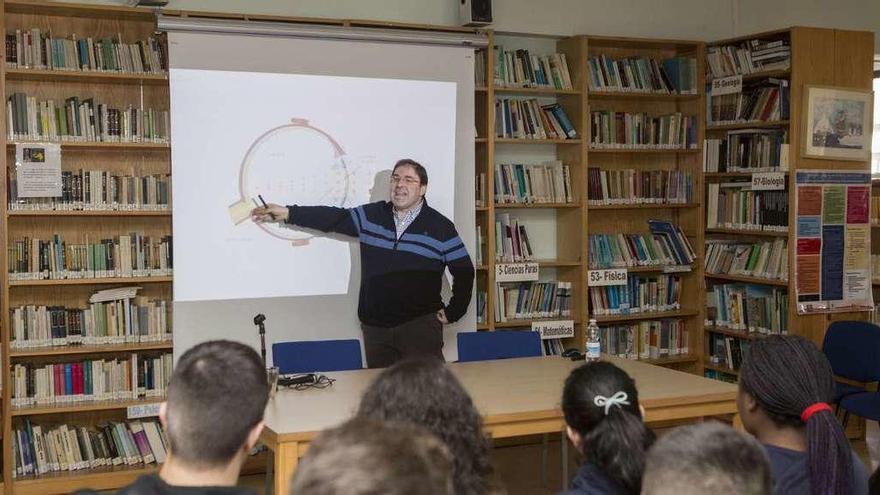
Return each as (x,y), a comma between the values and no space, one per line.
(604,421)
(427,394)
(706,458)
(212,418)
(365,457)
(785,385)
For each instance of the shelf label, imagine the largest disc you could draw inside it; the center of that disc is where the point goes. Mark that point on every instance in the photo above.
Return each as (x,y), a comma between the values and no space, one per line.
(727,85)
(557,329)
(768,181)
(676,268)
(142,411)
(517,272)
(613,276)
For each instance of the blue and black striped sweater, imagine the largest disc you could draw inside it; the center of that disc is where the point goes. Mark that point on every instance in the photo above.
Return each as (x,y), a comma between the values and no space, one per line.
(400,279)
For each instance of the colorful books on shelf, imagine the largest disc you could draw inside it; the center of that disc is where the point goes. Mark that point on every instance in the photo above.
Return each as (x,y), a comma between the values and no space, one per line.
(548,182)
(36,49)
(521,69)
(552,347)
(623,130)
(747,150)
(91,380)
(527,119)
(511,240)
(749,57)
(751,259)
(99,190)
(124,319)
(667,245)
(42,449)
(132,255)
(86,120)
(727,351)
(761,101)
(676,75)
(748,307)
(734,205)
(650,339)
(633,187)
(641,294)
(532,300)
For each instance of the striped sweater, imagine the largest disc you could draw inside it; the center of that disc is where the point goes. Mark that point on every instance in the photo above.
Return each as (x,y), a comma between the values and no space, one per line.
(401,278)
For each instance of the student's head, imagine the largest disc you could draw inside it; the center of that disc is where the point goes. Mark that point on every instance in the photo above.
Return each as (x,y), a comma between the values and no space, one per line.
(215,405)
(409,181)
(365,457)
(706,458)
(424,392)
(785,384)
(604,421)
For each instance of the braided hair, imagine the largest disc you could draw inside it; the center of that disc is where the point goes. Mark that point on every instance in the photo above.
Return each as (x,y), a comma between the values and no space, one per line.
(786,375)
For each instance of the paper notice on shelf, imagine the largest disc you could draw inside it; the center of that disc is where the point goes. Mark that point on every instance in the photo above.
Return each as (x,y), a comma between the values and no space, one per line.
(38,170)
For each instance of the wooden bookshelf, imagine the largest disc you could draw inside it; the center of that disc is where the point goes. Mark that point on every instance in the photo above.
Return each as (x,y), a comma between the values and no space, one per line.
(141,158)
(828,57)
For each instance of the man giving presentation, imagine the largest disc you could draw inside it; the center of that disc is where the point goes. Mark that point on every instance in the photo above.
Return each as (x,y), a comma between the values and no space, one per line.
(405,247)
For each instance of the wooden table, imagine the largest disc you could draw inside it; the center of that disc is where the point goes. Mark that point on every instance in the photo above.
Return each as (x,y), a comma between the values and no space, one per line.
(515,397)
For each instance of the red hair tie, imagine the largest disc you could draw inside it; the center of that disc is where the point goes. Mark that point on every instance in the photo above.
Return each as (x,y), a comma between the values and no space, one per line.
(810,411)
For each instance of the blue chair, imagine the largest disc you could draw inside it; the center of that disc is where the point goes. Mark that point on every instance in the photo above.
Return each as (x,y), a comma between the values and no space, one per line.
(500,344)
(310,356)
(853,349)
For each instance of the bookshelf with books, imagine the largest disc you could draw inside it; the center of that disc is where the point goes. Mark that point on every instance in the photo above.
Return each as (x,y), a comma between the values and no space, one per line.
(87,286)
(643,211)
(759,130)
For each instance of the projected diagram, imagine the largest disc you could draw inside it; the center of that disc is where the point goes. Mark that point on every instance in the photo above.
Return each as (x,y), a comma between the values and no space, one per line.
(295,163)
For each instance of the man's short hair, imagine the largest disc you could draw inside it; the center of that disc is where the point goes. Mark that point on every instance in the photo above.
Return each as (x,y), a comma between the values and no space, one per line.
(217,394)
(364,456)
(705,458)
(420,170)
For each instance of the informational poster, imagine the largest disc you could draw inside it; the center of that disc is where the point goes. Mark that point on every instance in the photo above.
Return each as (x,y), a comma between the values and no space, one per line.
(38,170)
(833,260)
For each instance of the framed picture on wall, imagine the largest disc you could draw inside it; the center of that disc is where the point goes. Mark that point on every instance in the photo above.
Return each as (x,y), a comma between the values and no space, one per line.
(838,123)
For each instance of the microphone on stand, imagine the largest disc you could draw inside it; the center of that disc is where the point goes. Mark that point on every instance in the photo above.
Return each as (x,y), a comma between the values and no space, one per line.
(259,320)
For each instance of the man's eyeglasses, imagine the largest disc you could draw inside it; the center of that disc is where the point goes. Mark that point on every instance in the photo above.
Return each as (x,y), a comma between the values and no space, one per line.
(410,181)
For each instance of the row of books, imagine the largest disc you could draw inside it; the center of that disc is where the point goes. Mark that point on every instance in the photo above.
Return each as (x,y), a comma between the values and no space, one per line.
(528,119)
(42,449)
(609,129)
(531,300)
(667,245)
(735,206)
(552,347)
(480,187)
(748,307)
(641,294)
(748,57)
(132,255)
(82,120)
(649,339)
(35,49)
(727,351)
(91,380)
(99,190)
(548,182)
(747,150)
(631,186)
(481,307)
(511,240)
(676,75)
(481,246)
(108,319)
(521,69)
(761,101)
(752,259)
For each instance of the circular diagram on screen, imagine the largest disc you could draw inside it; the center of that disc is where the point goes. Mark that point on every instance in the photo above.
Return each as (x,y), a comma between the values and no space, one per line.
(295,163)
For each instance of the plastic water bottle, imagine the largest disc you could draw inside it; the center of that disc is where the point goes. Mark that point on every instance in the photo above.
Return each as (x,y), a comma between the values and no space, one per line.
(594,344)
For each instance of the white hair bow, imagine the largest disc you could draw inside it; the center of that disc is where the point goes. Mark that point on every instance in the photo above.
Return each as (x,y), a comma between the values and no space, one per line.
(615,400)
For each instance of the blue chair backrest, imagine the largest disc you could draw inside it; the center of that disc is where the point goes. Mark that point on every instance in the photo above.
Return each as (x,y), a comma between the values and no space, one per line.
(853,348)
(500,344)
(310,356)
